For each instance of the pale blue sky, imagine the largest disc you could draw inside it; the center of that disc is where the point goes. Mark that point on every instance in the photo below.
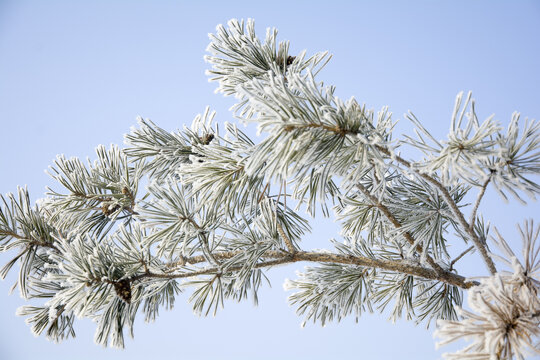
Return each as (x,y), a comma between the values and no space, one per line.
(75,74)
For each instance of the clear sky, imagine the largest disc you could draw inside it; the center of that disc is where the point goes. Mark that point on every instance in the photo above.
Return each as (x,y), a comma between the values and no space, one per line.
(75,74)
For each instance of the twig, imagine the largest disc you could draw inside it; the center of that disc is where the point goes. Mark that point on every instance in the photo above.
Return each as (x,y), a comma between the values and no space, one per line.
(30,240)
(455,210)
(477,203)
(460,256)
(286,239)
(398,225)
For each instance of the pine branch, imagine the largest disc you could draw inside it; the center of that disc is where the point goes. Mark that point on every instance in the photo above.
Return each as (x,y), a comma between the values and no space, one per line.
(208,213)
(278,258)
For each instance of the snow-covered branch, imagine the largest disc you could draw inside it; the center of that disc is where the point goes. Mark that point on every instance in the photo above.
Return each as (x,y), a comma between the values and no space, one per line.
(210,220)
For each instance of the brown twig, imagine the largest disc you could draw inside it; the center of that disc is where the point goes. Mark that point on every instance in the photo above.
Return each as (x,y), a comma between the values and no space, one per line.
(286,240)
(460,256)
(477,202)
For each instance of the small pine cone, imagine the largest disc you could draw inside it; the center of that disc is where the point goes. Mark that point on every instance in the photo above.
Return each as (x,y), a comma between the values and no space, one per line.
(108,209)
(125,191)
(290,59)
(207,138)
(123,290)
(105,209)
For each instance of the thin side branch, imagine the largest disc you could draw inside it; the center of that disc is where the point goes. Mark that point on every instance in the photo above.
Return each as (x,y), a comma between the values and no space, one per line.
(455,210)
(398,225)
(286,239)
(30,241)
(477,202)
(460,256)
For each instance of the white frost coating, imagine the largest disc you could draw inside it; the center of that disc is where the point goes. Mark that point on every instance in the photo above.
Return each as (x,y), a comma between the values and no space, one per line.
(322,251)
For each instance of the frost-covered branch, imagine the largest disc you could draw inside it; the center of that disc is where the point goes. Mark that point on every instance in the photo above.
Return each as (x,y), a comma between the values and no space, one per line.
(102,246)
(278,258)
